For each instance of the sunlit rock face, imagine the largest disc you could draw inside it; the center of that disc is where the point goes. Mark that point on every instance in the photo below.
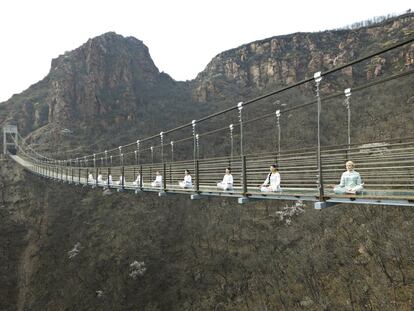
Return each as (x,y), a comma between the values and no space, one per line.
(287,59)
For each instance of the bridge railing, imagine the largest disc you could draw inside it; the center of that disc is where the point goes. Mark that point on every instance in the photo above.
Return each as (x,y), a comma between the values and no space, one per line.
(387,170)
(384,167)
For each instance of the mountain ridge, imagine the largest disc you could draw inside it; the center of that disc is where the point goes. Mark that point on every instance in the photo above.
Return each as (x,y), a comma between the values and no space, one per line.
(110,83)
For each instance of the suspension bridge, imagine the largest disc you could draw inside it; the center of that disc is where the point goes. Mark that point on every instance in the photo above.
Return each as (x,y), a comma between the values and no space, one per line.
(307,174)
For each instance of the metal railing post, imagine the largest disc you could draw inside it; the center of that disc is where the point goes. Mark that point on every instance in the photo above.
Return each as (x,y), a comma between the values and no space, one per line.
(123,176)
(140,177)
(194,122)
(172,151)
(318,78)
(162,147)
(278,131)
(170,173)
(164,173)
(347,104)
(198,146)
(240,108)
(231,127)
(108,174)
(244,176)
(197,172)
(152,161)
(138,142)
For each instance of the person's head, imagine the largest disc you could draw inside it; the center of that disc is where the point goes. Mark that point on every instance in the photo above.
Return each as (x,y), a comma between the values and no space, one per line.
(187,172)
(228,170)
(349,165)
(273,168)
(157,172)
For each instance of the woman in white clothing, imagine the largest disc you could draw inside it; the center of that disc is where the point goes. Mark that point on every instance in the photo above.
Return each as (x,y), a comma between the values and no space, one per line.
(100,181)
(272,182)
(90,178)
(187,183)
(351,182)
(158,180)
(137,180)
(109,180)
(227,182)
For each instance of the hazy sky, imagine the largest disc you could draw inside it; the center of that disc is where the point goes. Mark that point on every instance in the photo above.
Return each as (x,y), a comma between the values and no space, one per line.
(182,35)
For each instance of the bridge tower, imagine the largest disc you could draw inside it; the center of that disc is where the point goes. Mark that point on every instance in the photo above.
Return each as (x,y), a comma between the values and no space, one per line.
(9,139)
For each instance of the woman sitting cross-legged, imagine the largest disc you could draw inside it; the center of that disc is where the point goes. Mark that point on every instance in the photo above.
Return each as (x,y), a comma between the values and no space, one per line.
(158,180)
(351,182)
(137,180)
(227,182)
(99,179)
(272,182)
(186,183)
(90,178)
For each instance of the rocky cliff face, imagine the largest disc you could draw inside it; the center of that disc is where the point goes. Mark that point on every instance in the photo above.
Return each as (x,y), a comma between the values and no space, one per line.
(283,60)
(110,84)
(106,74)
(109,73)
(68,248)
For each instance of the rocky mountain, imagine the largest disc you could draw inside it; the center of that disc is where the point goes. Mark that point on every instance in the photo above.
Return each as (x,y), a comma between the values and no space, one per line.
(111,85)
(64,247)
(108,84)
(283,60)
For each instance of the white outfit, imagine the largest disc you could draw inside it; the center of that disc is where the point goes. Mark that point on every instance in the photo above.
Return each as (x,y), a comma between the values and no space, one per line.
(350,183)
(90,178)
(272,183)
(226,183)
(100,181)
(137,181)
(187,183)
(157,182)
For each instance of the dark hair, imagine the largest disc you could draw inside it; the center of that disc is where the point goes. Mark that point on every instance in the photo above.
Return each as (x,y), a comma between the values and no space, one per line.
(188,171)
(275,166)
(228,168)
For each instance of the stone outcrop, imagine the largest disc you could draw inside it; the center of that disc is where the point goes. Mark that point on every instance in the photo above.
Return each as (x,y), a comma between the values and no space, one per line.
(283,60)
(107,73)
